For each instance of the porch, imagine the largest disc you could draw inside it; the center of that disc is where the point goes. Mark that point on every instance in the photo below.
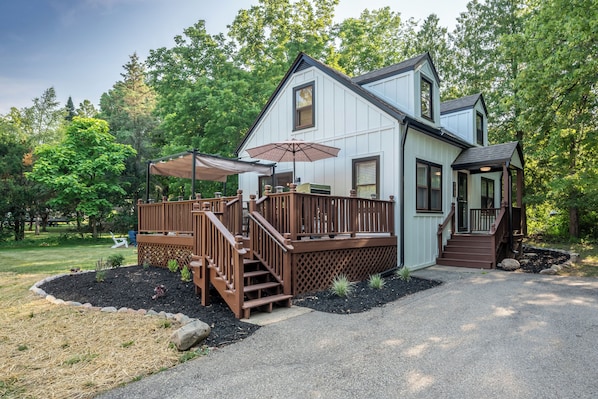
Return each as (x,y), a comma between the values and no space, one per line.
(266,251)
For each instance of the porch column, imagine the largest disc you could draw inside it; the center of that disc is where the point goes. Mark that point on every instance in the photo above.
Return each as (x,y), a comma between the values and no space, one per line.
(506,189)
(520,183)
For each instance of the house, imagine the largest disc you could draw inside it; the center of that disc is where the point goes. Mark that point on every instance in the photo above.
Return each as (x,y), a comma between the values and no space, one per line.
(397,139)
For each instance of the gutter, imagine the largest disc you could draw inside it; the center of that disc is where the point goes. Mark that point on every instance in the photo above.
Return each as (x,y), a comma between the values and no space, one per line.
(402,196)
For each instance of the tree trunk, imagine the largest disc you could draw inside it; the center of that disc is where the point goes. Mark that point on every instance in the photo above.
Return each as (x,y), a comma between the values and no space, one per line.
(573,222)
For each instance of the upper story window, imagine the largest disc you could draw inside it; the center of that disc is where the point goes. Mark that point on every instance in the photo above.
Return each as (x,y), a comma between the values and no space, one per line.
(303,106)
(479,128)
(426,98)
(429,187)
(366,177)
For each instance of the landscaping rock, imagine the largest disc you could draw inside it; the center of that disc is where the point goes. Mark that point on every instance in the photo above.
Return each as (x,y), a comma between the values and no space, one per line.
(190,335)
(109,309)
(510,264)
(550,271)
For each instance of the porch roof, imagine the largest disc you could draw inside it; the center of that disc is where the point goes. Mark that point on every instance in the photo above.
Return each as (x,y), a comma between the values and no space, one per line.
(493,156)
(207,167)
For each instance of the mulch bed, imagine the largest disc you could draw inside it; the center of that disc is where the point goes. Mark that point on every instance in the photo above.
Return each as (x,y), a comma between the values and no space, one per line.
(133,287)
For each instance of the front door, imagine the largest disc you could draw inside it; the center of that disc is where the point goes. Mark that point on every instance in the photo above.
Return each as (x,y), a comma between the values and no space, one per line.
(462,211)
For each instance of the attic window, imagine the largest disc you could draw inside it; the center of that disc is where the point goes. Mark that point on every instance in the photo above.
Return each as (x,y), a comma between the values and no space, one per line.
(426,98)
(479,128)
(303,106)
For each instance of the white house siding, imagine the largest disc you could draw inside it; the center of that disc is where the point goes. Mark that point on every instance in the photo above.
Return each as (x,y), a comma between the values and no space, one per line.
(421,246)
(460,123)
(396,90)
(344,120)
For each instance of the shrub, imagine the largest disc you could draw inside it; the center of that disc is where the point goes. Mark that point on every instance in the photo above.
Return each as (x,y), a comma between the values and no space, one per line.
(185,274)
(115,260)
(376,281)
(404,274)
(173,265)
(341,286)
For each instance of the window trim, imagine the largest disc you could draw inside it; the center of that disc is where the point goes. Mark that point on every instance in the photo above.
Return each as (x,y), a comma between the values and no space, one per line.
(481,130)
(354,172)
(313,106)
(429,166)
(489,182)
(430,100)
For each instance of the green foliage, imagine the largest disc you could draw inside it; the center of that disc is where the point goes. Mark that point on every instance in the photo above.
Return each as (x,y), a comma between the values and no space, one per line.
(185,274)
(404,274)
(83,169)
(376,281)
(115,260)
(189,355)
(173,265)
(101,267)
(341,286)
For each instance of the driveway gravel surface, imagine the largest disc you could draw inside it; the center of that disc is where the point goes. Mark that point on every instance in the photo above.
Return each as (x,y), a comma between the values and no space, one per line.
(481,334)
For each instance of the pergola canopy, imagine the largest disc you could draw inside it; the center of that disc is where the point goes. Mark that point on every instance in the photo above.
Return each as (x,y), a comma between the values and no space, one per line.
(207,167)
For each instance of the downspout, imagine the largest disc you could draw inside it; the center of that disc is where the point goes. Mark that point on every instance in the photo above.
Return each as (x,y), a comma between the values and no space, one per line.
(402,197)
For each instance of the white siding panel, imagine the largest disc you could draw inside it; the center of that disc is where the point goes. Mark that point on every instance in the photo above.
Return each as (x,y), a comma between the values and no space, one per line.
(396,90)
(460,123)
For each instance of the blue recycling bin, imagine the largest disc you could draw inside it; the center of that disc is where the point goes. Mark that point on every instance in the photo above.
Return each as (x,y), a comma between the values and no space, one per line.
(132,237)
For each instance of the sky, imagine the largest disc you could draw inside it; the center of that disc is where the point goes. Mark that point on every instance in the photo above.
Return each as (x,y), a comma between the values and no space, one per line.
(79,47)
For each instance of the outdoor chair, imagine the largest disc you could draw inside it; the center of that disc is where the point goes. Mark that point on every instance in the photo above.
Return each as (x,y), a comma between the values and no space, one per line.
(119,242)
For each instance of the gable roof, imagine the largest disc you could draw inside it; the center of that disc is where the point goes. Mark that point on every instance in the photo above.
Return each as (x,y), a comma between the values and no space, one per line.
(303,61)
(493,156)
(396,69)
(462,103)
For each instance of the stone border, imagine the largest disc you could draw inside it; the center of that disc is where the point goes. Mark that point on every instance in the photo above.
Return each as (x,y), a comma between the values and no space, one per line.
(554,269)
(185,320)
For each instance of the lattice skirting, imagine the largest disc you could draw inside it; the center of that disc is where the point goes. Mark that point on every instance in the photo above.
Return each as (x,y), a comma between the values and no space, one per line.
(315,271)
(159,254)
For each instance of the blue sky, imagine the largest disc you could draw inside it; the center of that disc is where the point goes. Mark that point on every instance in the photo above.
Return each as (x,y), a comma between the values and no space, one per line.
(79,46)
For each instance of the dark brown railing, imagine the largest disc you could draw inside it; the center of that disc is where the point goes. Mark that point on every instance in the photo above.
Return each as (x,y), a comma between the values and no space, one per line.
(499,231)
(449,220)
(221,253)
(301,214)
(271,248)
(482,219)
(175,216)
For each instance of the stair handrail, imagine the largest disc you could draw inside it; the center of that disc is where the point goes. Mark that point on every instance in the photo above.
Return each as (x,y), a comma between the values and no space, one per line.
(498,230)
(222,252)
(276,259)
(450,218)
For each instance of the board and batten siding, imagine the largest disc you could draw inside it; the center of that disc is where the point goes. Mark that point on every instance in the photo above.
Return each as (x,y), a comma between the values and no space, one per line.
(343,120)
(463,123)
(421,246)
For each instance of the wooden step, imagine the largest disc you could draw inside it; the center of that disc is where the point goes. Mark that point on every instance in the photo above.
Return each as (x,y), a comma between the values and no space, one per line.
(261,286)
(266,302)
(475,264)
(256,273)
(484,257)
(467,249)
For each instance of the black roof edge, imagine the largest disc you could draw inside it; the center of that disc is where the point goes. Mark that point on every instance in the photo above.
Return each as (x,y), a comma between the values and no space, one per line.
(410,64)
(438,134)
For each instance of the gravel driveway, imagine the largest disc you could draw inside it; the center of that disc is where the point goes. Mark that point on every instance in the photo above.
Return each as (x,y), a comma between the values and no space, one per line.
(479,335)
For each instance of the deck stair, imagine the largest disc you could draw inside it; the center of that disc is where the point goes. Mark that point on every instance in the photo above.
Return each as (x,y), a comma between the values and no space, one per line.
(468,250)
(262,290)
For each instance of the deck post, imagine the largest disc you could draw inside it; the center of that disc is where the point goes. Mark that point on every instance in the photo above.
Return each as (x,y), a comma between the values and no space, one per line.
(286,268)
(252,202)
(391,216)
(292,212)
(353,217)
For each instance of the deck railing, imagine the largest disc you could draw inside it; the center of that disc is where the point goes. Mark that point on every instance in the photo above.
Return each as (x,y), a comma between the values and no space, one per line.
(482,219)
(175,216)
(301,214)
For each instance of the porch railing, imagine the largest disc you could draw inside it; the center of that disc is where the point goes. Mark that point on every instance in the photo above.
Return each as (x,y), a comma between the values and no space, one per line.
(302,214)
(499,229)
(482,219)
(175,216)
(448,221)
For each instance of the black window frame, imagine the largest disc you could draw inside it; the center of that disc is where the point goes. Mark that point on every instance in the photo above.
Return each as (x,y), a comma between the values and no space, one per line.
(428,187)
(357,161)
(430,99)
(487,200)
(479,128)
(297,111)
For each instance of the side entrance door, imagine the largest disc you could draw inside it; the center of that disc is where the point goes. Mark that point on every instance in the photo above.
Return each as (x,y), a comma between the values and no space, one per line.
(462,209)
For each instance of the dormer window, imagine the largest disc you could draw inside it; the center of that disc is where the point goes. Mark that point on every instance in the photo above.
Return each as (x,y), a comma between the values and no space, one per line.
(303,106)
(479,128)
(426,98)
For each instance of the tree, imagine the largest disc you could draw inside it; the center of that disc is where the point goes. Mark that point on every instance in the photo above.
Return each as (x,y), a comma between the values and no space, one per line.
(70,109)
(83,170)
(87,110)
(558,84)
(44,121)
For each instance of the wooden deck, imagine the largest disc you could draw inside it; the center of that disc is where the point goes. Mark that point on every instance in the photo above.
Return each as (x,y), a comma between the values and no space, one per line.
(280,245)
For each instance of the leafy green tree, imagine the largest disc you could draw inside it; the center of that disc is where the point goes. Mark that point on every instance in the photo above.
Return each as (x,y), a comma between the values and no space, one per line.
(559,86)
(87,110)
(43,122)
(83,170)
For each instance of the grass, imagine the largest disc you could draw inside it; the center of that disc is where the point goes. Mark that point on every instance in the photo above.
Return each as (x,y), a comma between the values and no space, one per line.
(341,286)
(63,350)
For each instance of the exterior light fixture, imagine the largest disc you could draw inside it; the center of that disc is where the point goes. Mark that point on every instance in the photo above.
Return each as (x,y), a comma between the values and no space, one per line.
(485,169)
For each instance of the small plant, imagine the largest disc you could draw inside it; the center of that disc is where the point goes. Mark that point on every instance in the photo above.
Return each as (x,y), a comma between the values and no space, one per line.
(127,344)
(376,282)
(146,265)
(341,286)
(22,347)
(159,291)
(173,265)
(101,270)
(404,274)
(185,274)
(115,260)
